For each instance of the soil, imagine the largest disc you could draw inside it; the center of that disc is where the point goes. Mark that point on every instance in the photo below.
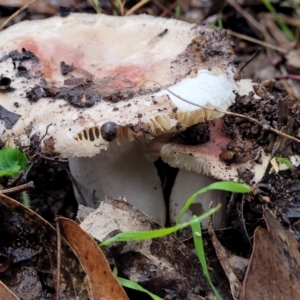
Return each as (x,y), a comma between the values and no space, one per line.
(23,250)
(196,134)
(53,193)
(247,137)
(277,191)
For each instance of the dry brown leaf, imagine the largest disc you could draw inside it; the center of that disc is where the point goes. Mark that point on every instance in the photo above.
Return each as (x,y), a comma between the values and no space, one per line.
(228,261)
(6,294)
(22,227)
(273,272)
(104,284)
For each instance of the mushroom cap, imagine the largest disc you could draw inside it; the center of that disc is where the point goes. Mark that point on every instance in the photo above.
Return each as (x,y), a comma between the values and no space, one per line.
(204,158)
(82,71)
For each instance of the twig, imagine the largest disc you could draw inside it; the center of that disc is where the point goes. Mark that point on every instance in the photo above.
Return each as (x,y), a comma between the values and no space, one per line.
(136,7)
(264,126)
(121,7)
(242,222)
(289,86)
(253,40)
(159,5)
(246,15)
(288,76)
(229,208)
(115,7)
(58,259)
(287,19)
(25,175)
(56,159)
(16,13)
(253,56)
(18,189)
(172,6)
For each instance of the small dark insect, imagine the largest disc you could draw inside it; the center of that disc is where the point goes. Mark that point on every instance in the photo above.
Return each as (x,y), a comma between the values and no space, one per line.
(163,33)
(4,81)
(109,131)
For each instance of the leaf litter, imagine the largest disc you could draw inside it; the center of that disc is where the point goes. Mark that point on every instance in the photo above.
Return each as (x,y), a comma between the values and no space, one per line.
(30,243)
(274,263)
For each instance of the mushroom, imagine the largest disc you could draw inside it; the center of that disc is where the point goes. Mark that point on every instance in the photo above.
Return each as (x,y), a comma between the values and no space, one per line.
(202,164)
(77,99)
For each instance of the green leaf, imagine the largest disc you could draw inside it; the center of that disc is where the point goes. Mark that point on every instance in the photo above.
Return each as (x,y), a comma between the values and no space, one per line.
(135,286)
(284,161)
(228,186)
(151,234)
(12,162)
(198,242)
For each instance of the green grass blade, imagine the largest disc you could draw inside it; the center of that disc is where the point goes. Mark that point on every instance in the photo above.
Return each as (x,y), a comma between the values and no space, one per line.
(25,199)
(198,242)
(220,23)
(282,25)
(228,186)
(151,234)
(115,271)
(177,11)
(135,286)
(96,6)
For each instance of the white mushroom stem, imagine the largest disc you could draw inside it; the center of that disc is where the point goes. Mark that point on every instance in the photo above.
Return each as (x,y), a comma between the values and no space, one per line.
(186,184)
(121,171)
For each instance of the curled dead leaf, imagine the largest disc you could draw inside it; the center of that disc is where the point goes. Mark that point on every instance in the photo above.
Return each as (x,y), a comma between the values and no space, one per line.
(273,272)
(104,284)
